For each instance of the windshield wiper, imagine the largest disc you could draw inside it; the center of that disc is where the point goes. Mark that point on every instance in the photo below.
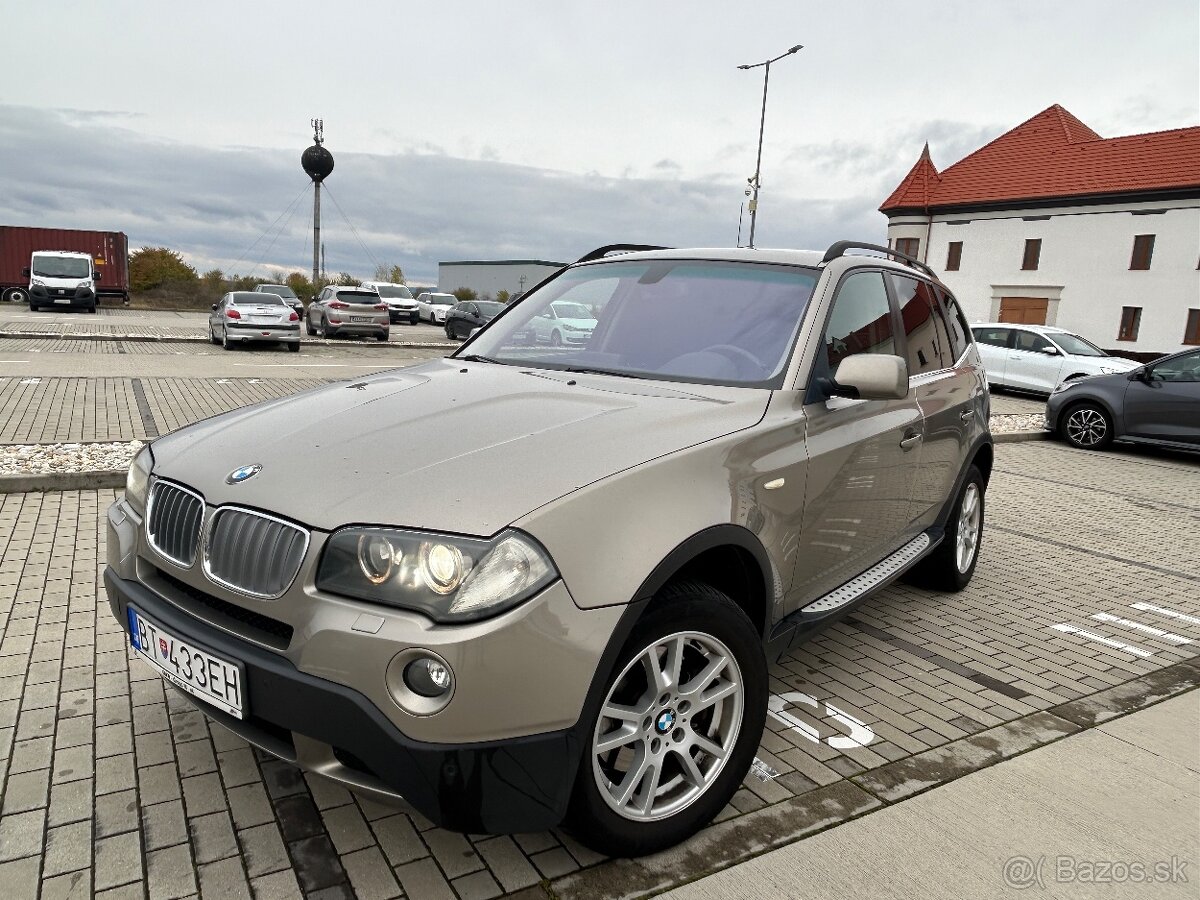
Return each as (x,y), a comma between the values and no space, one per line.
(583,370)
(475,357)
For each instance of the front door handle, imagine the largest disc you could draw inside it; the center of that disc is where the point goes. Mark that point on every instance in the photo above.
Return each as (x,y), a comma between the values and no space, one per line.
(966,415)
(911,441)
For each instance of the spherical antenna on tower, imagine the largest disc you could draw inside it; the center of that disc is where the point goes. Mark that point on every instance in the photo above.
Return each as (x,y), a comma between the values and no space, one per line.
(316,161)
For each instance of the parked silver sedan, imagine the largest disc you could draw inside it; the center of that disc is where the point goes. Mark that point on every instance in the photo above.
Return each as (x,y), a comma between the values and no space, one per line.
(244,316)
(349,311)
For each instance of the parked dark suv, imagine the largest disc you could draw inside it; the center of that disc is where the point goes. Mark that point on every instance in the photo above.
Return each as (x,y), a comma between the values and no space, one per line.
(748,444)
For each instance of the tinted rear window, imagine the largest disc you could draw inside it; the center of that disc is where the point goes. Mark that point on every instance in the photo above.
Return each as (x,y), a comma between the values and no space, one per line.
(370,298)
(248,299)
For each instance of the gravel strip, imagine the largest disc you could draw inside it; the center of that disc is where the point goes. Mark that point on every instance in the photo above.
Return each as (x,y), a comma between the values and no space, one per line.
(41,459)
(1010,424)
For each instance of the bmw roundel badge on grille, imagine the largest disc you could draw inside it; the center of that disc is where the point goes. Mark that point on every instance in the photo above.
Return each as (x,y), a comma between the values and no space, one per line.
(243,473)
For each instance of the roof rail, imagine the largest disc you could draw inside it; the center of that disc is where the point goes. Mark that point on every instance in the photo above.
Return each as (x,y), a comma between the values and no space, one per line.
(839,248)
(601,252)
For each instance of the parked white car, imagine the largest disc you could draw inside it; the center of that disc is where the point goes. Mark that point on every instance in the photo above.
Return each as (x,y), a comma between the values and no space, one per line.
(432,307)
(1039,357)
(563,322)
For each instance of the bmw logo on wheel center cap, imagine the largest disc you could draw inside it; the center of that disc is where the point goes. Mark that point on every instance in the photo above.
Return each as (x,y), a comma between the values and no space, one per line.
(243,473)
(665,721)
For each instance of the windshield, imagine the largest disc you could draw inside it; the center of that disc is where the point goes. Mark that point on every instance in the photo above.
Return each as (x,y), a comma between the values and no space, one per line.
(1075,345)
(257,299)
(675,320)
(393,292)
(489,307)
(566,310)
(281,290)
(443,299)
(62,267)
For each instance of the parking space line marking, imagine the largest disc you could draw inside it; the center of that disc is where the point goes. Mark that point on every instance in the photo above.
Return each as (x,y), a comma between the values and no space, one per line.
(1109,642)
(1169,613)
(1145,629)
(1096,554)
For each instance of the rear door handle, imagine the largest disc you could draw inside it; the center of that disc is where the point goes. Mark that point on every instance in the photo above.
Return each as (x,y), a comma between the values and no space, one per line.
(911,441)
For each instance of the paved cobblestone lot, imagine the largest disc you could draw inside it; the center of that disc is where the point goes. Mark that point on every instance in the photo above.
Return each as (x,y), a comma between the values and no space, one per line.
(114,786)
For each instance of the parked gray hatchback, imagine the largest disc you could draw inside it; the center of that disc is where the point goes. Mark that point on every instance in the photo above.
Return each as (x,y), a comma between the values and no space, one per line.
(748,445)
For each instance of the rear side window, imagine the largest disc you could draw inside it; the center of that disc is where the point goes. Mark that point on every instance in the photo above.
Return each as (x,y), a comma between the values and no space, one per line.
(956,324)
(995,337)
(861,321)
(924,330)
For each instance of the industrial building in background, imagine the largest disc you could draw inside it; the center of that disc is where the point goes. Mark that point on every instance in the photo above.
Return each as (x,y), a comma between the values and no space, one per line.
(488,277)
(1051,224)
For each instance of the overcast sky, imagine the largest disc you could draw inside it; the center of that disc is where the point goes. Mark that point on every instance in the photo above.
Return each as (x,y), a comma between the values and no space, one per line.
(539,129)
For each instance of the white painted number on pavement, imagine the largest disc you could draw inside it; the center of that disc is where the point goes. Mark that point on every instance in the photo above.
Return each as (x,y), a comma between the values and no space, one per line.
(860,734)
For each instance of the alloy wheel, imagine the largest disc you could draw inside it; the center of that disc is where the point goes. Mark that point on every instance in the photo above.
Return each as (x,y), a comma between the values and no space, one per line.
(970,515)
(1086,427)
(668,725)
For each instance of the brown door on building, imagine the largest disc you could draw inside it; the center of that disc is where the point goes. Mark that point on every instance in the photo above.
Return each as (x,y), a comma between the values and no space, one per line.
(1023,310)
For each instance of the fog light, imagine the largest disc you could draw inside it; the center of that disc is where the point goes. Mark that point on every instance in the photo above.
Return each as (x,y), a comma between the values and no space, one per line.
(428,677)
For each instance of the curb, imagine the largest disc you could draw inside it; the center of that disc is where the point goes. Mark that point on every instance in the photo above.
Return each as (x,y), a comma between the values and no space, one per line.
(1013,437)
(61,481)
(180,339)
(747,836)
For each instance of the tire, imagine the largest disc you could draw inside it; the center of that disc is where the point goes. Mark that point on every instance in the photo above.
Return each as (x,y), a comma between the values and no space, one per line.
(699,622)
(225,342)
(450,333)
(952,563)
(322,330)
(555,339)
(33,307)
(1087,426)
(294,347)
(19,295)
(308,329)
(381,337)
(212,336)
(92,309)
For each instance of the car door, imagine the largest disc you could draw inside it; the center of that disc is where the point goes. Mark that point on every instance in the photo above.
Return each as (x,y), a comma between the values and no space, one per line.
(861,459)
(1034,364)
(946,387)
(1164,405)
(216,314)
(992,344)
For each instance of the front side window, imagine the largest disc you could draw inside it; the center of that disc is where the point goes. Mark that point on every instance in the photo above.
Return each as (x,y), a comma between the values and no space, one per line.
(861,321)
(1185,367)
(709,322)
(1031,343)
(924,330)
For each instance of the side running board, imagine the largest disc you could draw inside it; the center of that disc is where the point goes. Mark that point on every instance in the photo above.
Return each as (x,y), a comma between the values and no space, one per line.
(875,576)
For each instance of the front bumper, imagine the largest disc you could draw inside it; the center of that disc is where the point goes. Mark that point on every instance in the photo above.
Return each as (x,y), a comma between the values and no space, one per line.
(43,296)
(396,316)
(515,785)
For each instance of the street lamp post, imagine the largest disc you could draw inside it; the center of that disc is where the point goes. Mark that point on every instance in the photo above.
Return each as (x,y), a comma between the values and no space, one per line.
(756,180)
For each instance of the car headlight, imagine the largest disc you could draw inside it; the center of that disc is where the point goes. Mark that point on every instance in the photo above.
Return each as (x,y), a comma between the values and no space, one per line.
(37,281)
(449,578)
(83,284)
(137,482)
(1062,387)
(1108,370)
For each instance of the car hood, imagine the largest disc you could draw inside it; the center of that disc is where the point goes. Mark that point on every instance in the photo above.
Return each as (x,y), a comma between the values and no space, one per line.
(586,324)
(1119,363)
(446,445)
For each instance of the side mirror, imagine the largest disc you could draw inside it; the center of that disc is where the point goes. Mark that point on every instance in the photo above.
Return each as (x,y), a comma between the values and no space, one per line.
(25,271)
(214,306)
(870,376)
(96,276)
(1049,351)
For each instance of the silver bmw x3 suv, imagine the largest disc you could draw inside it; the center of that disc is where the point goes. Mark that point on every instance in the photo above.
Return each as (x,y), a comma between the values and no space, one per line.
(749,444)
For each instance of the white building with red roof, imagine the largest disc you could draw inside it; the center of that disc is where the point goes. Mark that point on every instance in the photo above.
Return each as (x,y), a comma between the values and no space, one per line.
(1052,224)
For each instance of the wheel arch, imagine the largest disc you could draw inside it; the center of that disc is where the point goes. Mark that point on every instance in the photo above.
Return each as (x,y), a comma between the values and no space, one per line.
(727,557)
(1071,405)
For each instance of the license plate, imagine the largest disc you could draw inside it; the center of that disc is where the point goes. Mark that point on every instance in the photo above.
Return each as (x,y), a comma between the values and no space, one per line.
(193,669)
(66,300)
(362,319)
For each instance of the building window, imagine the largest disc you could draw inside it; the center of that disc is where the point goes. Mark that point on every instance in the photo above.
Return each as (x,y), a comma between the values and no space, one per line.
(1131,320)
(1033,255)
(1143,251)
(954,256)
(1191,334)
(909,246)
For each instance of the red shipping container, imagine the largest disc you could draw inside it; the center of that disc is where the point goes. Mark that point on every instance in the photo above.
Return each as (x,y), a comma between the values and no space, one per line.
(109,249)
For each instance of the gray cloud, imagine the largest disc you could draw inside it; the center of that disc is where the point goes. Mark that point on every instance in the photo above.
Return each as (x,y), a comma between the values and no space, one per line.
(227,208)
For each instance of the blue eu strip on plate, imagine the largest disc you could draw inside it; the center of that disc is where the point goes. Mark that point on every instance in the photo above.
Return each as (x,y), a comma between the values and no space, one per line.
(133,627)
